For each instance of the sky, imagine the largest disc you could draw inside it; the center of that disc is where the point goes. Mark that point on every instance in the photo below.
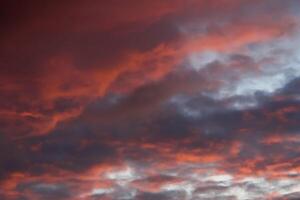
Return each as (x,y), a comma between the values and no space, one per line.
(150,100)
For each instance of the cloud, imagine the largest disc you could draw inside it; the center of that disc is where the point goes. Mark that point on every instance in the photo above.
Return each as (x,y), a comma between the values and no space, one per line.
(149,100)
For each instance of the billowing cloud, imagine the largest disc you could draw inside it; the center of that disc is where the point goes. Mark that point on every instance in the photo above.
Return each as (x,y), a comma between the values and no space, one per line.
(150,100)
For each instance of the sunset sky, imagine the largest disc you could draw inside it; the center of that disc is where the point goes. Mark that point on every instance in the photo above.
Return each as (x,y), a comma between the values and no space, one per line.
(150,100)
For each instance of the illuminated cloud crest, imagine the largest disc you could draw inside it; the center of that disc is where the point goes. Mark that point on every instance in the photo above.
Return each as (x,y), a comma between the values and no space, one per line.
(150,100)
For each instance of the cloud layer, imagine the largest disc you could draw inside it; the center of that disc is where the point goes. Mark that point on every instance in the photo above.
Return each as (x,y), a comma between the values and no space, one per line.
(150,100)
